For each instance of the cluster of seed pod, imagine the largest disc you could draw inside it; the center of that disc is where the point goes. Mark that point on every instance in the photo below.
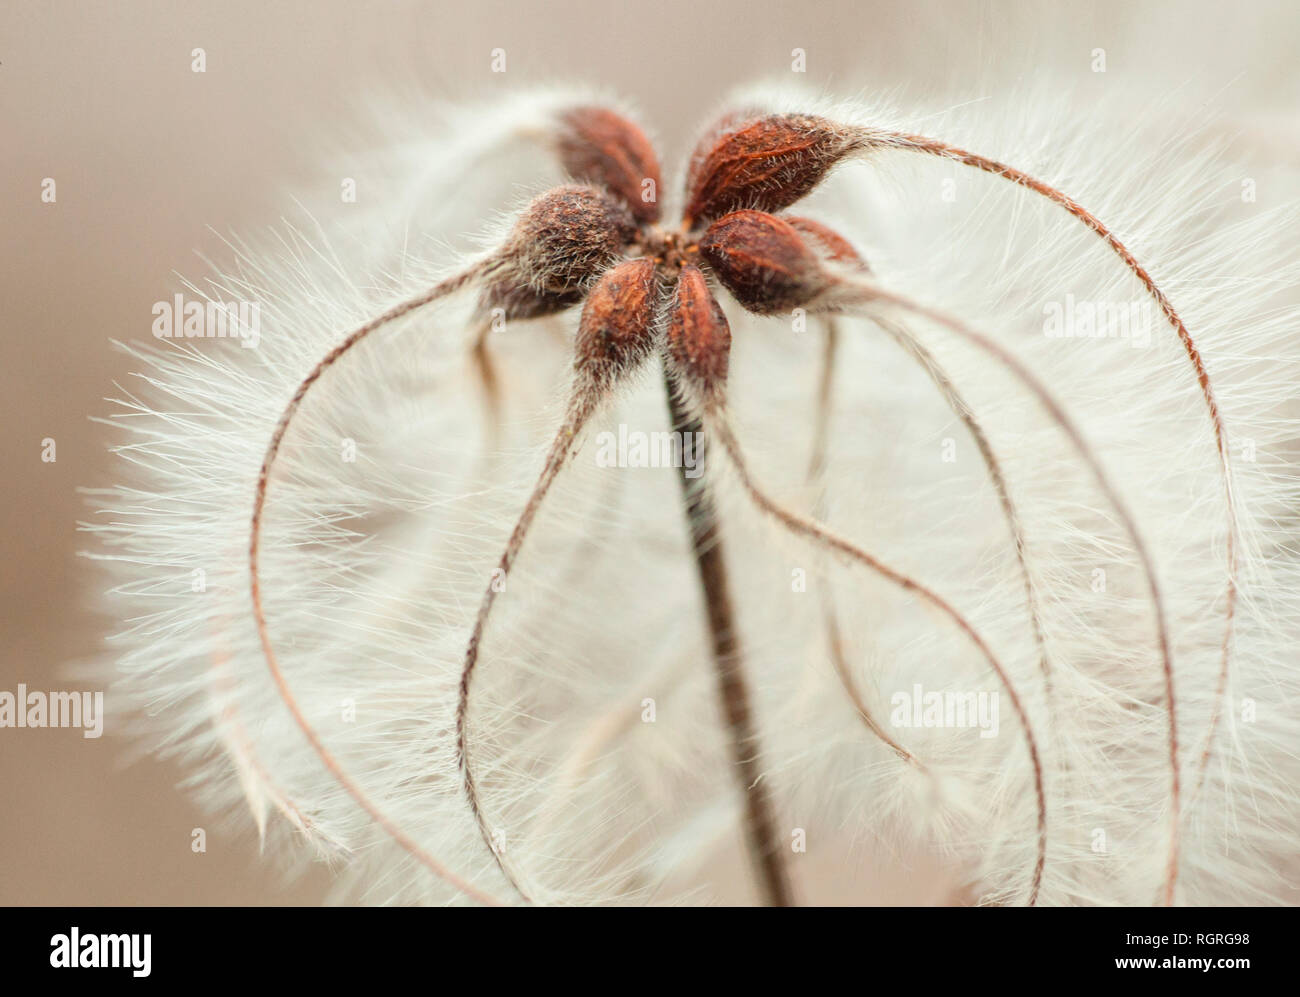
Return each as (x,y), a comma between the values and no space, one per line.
(646,291)
(569,240)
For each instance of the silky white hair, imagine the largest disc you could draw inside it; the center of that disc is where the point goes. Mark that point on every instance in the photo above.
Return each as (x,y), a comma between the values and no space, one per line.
(599,754)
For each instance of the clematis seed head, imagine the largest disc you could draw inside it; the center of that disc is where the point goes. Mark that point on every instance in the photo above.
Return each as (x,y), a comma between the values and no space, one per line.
(764,262)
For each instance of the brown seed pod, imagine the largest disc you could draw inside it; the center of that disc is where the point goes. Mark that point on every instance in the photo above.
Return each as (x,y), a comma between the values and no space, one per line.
(729,122)
(836,247)
(566,238)
(763,261)
(616,331)
(766,163)
(600,147)
(699,338)
(523,302)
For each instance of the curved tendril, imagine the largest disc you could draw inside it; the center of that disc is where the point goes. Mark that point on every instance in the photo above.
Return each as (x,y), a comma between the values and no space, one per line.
(864,294)
(816,478)
(440,290)
(841,665)
(957,403)
(822,416)
(603,729)
(817,532)
(225,693)
(934,147)
(580,410)
(485,373)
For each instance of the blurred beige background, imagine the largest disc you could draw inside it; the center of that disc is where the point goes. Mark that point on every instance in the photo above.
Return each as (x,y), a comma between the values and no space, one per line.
(147,153)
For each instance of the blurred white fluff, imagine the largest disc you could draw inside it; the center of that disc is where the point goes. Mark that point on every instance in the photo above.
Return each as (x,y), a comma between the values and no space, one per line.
(373,568)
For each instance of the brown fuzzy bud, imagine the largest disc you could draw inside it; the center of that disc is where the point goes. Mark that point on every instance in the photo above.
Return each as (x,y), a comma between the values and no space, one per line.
(616,331)
(763,261)
(835,246)
(766,163)
(519,301)
(566,238)
(727,123)
(600,147)
(699,337)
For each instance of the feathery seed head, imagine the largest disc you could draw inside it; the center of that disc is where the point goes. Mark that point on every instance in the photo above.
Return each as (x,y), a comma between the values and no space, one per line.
(390,502)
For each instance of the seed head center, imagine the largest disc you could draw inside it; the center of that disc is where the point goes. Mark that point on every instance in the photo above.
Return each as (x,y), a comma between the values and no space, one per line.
(670,250)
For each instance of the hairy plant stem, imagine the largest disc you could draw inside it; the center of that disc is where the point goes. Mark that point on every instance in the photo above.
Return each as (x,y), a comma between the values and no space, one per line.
(761,835)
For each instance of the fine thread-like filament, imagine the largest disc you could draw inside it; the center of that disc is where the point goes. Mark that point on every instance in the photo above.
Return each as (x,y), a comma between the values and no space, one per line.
(817,532)
(958,405)
(944,150)
(869,298)
(817,481)
(585,401)
(332,765)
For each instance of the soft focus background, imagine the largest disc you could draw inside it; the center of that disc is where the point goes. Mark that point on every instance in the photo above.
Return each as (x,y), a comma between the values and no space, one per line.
(146,154)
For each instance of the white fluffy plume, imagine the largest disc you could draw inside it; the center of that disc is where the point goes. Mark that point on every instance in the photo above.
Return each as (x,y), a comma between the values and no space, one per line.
(601,763)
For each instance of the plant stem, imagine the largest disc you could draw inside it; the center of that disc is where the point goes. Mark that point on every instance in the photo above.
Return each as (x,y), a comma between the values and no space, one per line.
(761,835)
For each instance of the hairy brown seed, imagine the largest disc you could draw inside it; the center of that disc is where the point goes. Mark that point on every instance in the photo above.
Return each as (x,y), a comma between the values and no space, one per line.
(566,238)
(766,163)
(699,338)
(519,301)
(836,247)
(616,331)
(763,261)
(729,122)
(600,147)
